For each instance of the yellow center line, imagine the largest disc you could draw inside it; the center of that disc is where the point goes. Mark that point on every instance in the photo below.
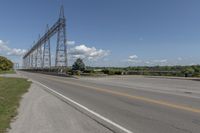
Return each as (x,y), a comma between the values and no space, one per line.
(176,106)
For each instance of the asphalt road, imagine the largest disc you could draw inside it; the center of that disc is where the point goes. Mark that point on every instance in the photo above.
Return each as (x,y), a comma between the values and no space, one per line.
(138,104)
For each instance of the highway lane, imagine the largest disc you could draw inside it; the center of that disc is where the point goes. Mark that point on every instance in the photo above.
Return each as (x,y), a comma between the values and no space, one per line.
(138,110)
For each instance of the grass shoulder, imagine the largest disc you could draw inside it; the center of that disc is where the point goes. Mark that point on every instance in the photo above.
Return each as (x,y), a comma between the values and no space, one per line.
(8,72)
(11,91)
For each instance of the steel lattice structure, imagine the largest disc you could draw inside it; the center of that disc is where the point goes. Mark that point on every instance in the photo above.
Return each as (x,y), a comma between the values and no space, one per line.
(39,56)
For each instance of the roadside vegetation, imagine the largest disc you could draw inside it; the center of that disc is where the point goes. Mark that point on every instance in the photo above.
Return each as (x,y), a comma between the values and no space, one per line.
(180,71)
(11,71)
(11,90)
(6,66)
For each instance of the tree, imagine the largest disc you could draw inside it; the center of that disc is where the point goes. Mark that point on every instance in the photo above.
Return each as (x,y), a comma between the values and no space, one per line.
(78,65)
(189,71)
(5,64)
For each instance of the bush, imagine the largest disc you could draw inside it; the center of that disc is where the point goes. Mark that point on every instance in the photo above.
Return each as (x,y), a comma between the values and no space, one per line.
(112,72)
(118,72)
(5,64)
(89,71)
(77,72)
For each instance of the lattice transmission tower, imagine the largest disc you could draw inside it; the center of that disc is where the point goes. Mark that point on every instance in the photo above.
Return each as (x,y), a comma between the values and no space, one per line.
(39,56)
(61,48)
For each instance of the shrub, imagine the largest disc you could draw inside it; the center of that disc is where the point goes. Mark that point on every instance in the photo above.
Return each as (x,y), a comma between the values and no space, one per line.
(5,64)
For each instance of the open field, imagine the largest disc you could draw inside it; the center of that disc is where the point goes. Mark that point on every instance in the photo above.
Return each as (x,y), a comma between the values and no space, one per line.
(11,90)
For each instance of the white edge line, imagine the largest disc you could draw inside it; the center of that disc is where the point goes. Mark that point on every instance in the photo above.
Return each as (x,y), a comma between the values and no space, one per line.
(85,108)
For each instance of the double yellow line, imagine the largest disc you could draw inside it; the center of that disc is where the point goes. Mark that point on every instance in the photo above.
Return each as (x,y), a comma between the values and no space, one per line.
(163,103)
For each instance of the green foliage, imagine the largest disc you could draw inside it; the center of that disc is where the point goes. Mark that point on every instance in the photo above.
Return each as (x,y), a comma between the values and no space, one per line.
(112,71)
(78,65)
(11,90)
(76,72)
(189,70)
(5,64)
(89,71)
(11,71)
(181,71)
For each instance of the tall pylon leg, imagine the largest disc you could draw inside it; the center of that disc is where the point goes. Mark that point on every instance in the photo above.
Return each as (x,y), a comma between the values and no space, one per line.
(32,59)
(61,49)
(29,61)
(35,57)
(61,57)
(39,57)
(46,61)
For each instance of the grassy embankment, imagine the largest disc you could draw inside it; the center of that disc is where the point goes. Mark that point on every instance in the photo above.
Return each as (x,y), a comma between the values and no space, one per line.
(11,90)
(7,72)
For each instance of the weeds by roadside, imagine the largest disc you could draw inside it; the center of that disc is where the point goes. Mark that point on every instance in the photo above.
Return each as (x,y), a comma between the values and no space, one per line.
(8,72)
(11,90)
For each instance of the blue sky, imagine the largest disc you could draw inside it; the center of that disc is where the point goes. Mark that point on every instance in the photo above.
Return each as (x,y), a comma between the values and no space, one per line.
(118,32)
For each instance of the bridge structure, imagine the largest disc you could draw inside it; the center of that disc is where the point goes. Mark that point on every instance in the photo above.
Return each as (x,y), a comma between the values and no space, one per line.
(38,57)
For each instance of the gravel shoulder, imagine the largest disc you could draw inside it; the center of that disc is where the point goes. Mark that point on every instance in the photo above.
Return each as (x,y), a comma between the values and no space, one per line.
(41,112)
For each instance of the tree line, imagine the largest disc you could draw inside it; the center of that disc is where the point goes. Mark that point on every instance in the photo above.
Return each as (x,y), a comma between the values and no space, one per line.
(181,71)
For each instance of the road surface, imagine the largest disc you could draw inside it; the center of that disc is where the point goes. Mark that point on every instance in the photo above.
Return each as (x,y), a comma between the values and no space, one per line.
(136,104)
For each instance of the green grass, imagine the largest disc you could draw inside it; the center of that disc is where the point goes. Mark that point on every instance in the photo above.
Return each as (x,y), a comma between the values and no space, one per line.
(8,72)
(11,90)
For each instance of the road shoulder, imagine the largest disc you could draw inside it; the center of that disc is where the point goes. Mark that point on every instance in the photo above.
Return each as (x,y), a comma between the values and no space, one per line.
(41,112)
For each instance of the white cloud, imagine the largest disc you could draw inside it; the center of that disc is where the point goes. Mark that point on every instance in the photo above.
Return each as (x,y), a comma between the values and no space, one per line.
(91,53)
(160,61)
(3,46)
(71,43)
(135,61)
(16,52)
(163,61)
(133,57)
(147,62)
(11,51)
